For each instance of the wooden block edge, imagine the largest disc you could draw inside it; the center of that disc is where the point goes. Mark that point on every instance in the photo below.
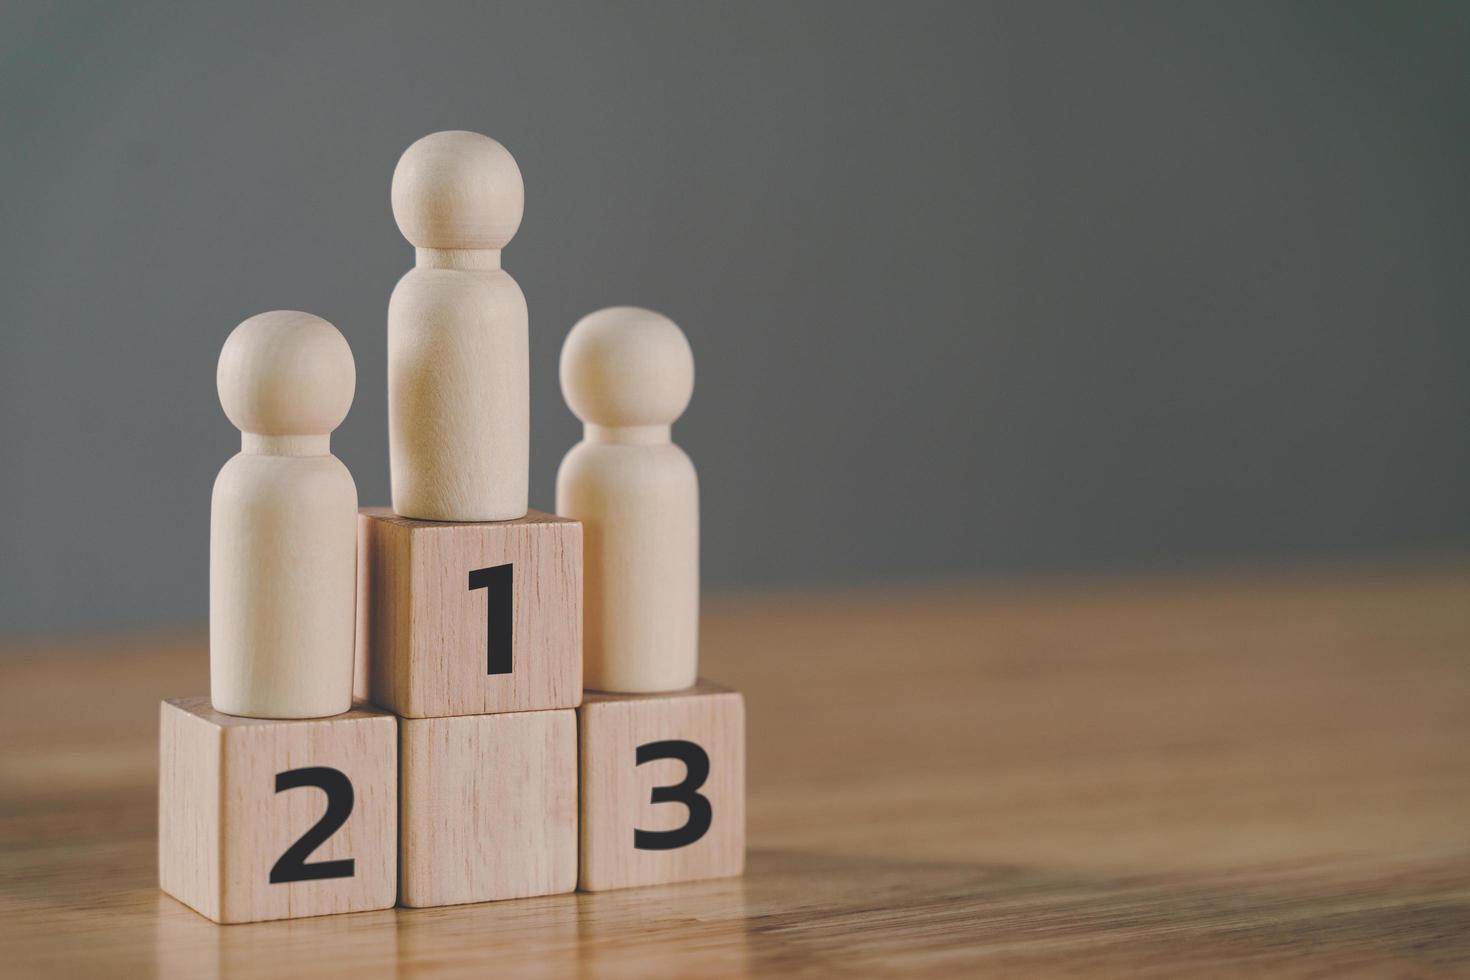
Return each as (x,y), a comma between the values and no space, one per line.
(173,717)
(701,688)
(386,516)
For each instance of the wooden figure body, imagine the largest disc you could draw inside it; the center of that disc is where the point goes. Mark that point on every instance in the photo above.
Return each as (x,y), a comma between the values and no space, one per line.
(283,524)
(628,373)
(458,355)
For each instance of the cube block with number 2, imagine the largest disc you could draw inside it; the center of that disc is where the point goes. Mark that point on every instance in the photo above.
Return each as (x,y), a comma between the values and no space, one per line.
(263,819)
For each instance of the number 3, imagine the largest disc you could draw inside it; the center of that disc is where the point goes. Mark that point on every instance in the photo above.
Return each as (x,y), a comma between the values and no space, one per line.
(292,865)
(696,765)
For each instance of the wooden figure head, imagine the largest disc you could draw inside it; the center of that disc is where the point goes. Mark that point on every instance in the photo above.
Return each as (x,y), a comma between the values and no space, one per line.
(286,373)
(627,366)
(458,190)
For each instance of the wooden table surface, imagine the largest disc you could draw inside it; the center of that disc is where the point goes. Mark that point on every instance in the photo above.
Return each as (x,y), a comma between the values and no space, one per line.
(1240,775)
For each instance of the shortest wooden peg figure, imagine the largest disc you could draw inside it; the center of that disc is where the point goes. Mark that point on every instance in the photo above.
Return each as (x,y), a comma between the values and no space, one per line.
(661,753)
(283,524)
(628,374)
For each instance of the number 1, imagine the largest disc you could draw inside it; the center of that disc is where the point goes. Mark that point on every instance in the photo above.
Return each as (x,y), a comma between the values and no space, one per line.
(498,582)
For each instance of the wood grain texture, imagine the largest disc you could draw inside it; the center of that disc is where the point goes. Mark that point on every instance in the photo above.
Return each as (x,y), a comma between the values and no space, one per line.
(488,807)
(617,791)
(222,824)
(422,631)
(1263,775)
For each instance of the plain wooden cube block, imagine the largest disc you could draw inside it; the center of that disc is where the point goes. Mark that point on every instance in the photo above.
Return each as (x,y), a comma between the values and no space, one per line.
(468,619)
(488,807)
(663,786)
(265,819)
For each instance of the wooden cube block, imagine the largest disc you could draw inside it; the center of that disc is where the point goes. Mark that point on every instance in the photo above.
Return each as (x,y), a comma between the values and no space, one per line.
(264,819)
(488,807)
(663,786)
(467,619)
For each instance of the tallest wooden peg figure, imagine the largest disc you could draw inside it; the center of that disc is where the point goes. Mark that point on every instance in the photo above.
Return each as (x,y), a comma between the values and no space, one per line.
(458,359)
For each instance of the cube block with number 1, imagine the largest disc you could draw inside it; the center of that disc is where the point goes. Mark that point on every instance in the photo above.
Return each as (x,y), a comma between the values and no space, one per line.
(264,819)
(469,619)
(663,786)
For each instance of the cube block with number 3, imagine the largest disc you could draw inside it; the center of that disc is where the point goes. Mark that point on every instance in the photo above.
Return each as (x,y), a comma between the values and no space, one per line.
(663,786)
(468,619)
(262,819)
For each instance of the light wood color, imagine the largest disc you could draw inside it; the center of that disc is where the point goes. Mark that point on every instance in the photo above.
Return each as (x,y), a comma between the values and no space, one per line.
(282,544)
(1254,775)
(628,373)
(423,632)
(223,825)
(617,791)
(459,399)
(488,808)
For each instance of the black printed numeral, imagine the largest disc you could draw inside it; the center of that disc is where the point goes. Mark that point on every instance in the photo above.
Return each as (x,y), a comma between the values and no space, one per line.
(498,582)
(696,766)
(292,865)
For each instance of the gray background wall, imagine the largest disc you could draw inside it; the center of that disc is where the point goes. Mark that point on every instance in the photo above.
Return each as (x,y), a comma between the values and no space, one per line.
(973,289)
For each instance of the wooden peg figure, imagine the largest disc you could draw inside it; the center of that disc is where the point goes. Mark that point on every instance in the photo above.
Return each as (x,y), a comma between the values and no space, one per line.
(283,524)
(628,373)
(458,356)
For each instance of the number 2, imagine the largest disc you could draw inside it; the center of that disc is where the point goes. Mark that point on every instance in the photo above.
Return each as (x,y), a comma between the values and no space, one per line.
(701,815)
(498,582)
(292,865)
